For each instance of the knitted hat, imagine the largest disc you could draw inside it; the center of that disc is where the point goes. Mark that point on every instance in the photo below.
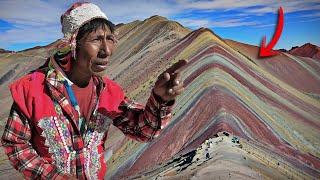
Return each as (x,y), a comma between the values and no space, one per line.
(76,16)
(79,14)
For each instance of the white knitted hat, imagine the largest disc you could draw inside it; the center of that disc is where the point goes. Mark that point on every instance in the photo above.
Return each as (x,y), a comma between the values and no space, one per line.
(77,15)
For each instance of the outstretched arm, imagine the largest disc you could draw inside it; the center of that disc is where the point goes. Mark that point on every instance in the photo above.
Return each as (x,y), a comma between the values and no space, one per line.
(145,123)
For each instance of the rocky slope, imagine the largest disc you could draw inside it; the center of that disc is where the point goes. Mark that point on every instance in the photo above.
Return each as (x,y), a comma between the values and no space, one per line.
(255,118)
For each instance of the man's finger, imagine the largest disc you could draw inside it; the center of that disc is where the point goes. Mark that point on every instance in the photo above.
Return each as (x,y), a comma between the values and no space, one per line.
(170,91)
(176,79)
(179,91)
(174,68)
(175,88)
(164,78)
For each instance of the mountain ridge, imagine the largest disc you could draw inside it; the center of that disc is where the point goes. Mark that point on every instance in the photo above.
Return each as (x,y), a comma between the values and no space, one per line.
(241,104)
(306,50)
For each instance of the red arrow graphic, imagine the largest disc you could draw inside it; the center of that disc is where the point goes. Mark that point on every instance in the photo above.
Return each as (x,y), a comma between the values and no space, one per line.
(266,51)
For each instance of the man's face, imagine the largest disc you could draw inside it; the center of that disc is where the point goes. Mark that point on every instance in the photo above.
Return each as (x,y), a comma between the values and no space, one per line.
(94,51)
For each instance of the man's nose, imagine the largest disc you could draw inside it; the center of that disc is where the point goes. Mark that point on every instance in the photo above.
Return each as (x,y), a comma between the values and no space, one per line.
(105,48)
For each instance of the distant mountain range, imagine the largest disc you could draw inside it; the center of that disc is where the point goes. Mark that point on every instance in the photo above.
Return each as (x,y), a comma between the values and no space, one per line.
(306,50)
(240,116)
(5,51)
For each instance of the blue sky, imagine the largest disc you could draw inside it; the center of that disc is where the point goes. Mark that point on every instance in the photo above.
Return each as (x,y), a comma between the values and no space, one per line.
(28,23)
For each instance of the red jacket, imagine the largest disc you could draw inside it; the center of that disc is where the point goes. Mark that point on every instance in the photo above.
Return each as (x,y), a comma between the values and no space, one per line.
(42,138)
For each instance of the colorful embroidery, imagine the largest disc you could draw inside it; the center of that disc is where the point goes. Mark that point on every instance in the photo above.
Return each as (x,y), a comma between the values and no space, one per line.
(96,132)
(58,139)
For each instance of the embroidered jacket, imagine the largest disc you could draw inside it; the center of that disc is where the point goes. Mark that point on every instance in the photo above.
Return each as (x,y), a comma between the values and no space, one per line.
(42,137)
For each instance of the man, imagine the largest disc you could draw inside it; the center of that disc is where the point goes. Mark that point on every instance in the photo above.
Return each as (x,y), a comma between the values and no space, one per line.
(62,111)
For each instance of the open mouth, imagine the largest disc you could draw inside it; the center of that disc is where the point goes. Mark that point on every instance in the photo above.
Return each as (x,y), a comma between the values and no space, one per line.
(100,64)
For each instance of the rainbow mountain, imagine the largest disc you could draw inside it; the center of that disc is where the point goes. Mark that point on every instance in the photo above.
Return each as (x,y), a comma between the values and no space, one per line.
(239,117)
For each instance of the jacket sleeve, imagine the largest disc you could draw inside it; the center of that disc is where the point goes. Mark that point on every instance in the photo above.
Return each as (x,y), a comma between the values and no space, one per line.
(23,157)
(143,123)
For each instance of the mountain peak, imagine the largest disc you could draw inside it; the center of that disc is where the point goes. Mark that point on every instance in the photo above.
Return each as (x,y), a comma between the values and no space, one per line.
(157,17)
(306,50)
(5,51)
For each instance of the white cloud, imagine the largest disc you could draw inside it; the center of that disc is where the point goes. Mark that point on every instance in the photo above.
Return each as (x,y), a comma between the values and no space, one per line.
(194,23)
(288,7)
(262,6)
(265,25)
(311,19)
(30,12)
(224,4)
(311,15)
(39,20)
(232,23)
(197,23)
(33,21)
(29,34)
(130,10)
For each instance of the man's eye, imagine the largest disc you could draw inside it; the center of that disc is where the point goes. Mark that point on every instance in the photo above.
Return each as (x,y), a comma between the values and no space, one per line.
(108,38)
(111,38)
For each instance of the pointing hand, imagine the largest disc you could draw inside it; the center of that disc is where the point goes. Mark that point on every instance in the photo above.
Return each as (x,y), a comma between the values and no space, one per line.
(169,84)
